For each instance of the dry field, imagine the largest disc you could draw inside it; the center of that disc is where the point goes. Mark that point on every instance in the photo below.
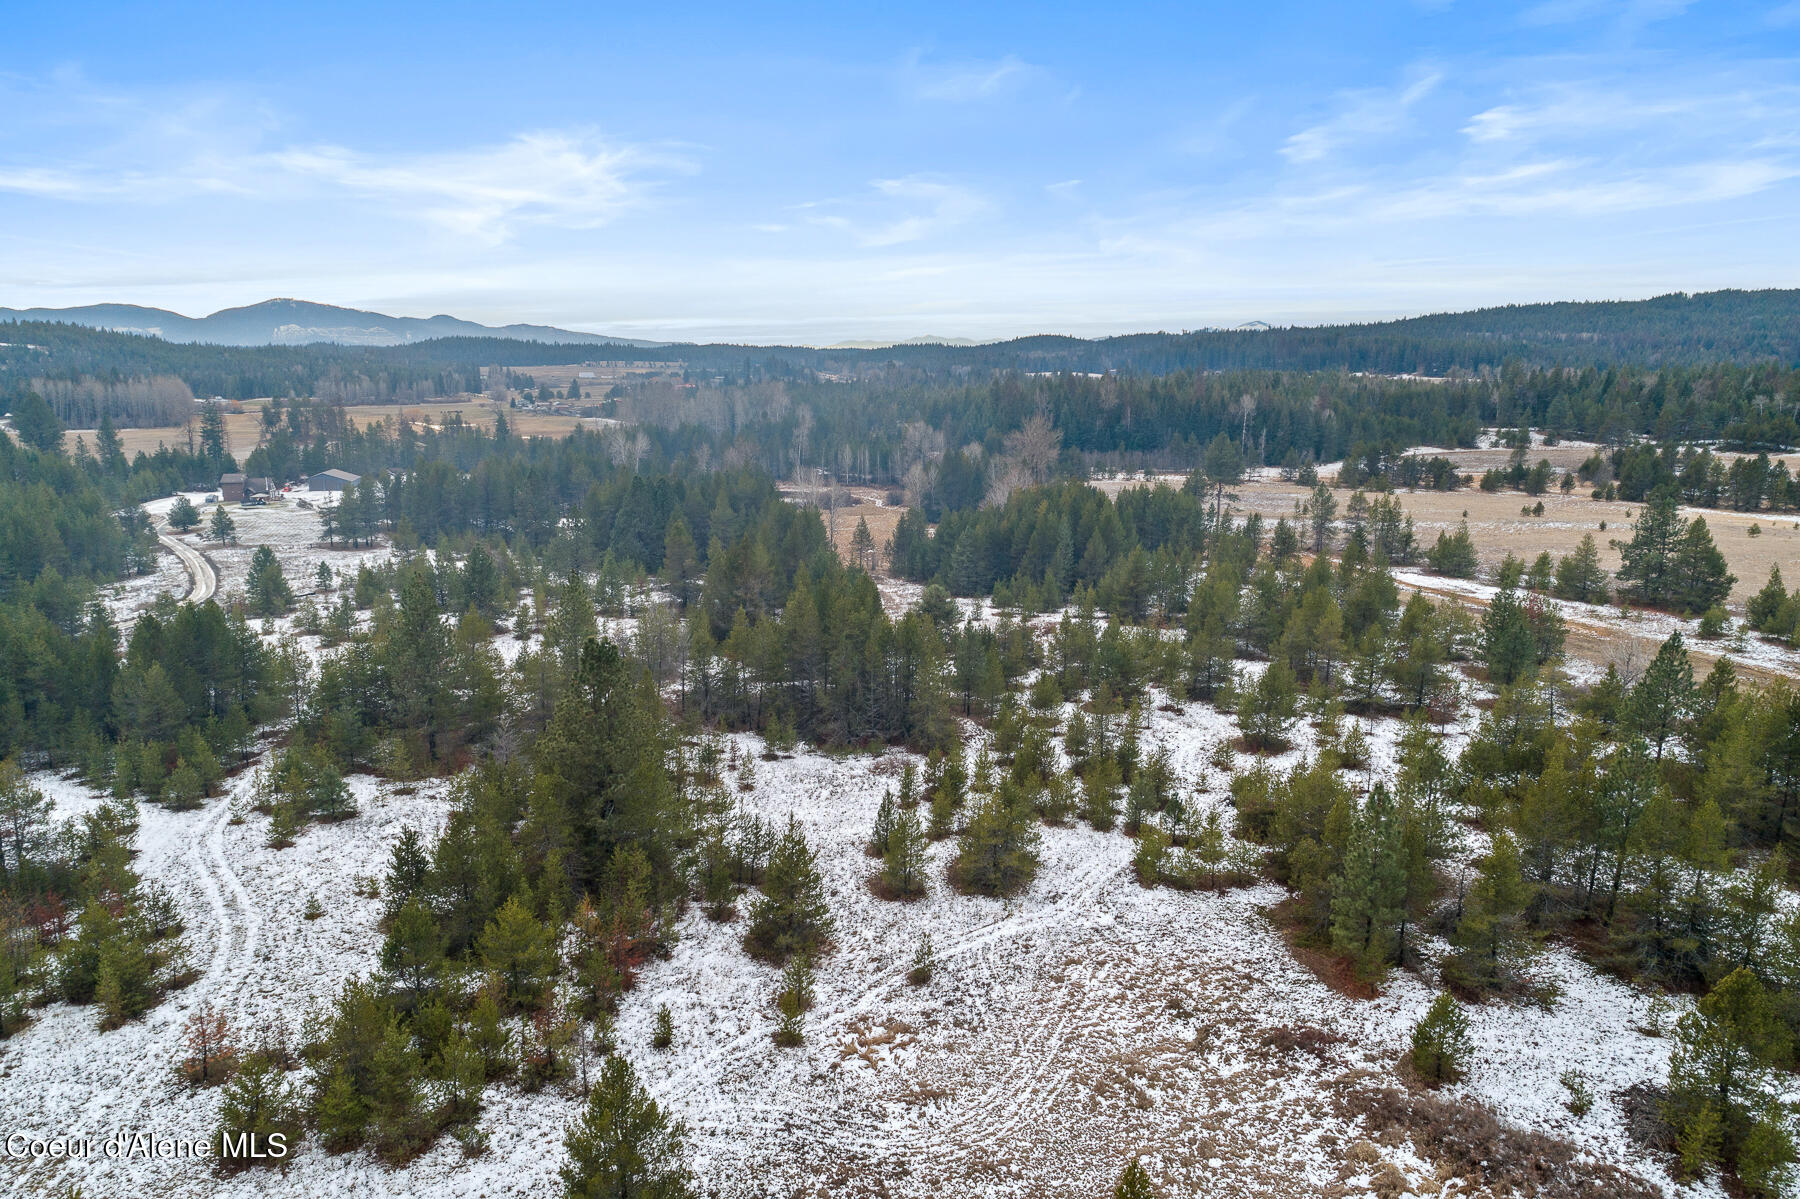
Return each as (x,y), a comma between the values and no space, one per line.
(859,504)
(243,430)
(241,434)
(1499,528)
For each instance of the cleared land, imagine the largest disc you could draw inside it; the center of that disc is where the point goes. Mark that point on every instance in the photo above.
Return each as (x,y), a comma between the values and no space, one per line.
(243,430)
(1499,528)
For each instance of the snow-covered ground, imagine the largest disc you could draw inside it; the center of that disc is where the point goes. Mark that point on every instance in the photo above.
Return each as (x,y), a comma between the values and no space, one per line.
(1067,1030)
(1637,624)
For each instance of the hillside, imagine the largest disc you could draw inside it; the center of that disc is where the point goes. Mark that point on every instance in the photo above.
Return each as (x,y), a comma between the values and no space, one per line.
(296,322)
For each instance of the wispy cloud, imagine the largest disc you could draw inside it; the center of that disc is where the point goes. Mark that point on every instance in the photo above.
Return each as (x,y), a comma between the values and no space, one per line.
(566,180)
(966,82)
(158,149)
(1362,114)
(908,209)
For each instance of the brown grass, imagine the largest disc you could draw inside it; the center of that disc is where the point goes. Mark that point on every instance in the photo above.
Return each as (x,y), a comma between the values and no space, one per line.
(1467,1142)
(1334,970)
(1498,527)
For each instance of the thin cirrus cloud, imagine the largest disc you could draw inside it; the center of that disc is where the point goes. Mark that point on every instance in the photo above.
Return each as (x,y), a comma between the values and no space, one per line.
(1362,114)
(967,82)
(559,179)
(900,211)
(100,147)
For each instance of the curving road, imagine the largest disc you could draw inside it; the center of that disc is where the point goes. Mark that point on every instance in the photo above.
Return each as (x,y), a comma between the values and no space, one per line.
(205,581)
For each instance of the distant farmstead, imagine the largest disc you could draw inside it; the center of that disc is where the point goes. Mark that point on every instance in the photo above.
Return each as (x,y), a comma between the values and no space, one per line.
(235,488)
(333,480)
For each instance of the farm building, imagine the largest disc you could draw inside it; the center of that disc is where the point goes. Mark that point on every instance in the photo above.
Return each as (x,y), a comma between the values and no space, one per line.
(235,488)
(333,480)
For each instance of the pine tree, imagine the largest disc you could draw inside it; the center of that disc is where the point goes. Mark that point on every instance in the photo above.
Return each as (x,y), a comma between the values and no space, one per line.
(904,864)
(222,529)
(1661,702)
(259,1120)
(884,826)
(1700,580)
(1647,560)
(997,852)
(413,954)
(1725,1079)
(266,589)
(1454,554)
(924,964)
(1506,641)
(792,915)
(1267,708)
(662,1035)
(790,1029)
(623,1146)
(1766,605)
(1134,1182)
(1440,1042)
(862,546)
(1491,936)
(517,948)
(1369,894)
(183,515)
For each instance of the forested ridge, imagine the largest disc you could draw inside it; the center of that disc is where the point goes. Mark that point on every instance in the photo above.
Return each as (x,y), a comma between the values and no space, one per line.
(1740,327)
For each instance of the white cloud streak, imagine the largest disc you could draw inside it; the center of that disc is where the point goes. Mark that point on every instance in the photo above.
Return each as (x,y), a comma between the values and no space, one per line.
(1361,115)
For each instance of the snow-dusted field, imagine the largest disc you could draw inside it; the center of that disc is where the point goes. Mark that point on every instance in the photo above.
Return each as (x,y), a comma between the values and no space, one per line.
(1067,1030)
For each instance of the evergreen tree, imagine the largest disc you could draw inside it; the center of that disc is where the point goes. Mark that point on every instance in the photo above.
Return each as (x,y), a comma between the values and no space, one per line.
(1454,554)
(1369,893)
(1766,605)
(183,515)
(259,1120)
(266,589)
(904,864)
(1700,581)
(37,424)
(1266,708)
(1491,936)
(623,1146)
(413,954)
(1507,644)
(1664,698)
(519,950)
(222,529)
(792,916)
(997,852)
(1647,560)
(1440,1042)
(1134,1182)
(1725,1079)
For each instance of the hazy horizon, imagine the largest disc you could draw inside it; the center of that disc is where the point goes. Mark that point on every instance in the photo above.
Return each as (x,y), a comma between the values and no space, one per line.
(781,178)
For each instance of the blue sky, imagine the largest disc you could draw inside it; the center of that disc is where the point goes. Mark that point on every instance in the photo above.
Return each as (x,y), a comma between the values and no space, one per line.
(816,172)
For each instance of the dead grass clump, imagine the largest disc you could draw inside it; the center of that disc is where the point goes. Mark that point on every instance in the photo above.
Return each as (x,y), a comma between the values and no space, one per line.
(1469,1143)
(1288,1038)
(1642,1106)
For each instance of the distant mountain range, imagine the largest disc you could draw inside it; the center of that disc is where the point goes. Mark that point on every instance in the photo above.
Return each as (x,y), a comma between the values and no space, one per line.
(298,322)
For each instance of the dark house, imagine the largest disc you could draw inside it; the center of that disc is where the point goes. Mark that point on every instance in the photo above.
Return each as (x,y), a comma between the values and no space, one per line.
(333,480)
(258,485)
(231,488)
